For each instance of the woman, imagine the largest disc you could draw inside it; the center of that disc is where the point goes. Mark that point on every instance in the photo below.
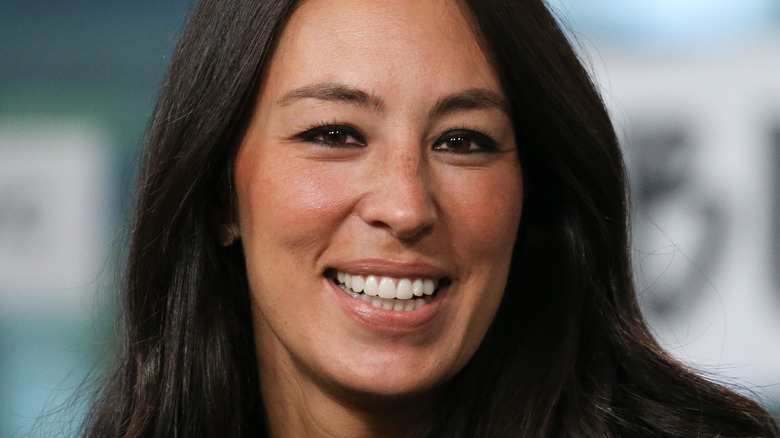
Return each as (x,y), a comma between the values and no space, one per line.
(389,218)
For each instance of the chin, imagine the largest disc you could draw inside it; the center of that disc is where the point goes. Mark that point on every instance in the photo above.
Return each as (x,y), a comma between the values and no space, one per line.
(393,375)
(377,389)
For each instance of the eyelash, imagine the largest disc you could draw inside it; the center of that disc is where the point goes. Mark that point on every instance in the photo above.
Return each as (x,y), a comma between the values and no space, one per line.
(486,144)
(315,134)
(318,130)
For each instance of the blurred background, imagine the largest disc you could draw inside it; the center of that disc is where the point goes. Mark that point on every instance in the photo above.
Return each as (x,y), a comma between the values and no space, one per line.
(693,87)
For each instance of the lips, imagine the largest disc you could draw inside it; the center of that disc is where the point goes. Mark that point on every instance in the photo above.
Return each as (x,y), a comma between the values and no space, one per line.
(390,293)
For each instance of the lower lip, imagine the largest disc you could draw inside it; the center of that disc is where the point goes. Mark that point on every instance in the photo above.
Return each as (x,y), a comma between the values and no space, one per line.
(385,319)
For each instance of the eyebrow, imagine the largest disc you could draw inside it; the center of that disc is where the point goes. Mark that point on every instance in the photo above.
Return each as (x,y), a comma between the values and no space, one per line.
(475,98)
(334,92)
(471,99)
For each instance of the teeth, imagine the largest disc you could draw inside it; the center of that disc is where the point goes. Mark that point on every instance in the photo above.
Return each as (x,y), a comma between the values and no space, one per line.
(392,304)
(371,287)
(358,283)
(387,288)
(404,290)
(388,293)
(428,286)
(417,287)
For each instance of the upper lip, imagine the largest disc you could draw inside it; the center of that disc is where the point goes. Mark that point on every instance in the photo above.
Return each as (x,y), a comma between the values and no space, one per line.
(391,268)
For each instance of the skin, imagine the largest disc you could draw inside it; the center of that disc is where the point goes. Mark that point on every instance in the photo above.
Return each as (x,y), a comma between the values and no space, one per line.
(392,192)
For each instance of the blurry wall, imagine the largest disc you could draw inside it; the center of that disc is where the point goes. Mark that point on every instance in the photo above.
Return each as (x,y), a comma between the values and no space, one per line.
(77,83)
(691,85)
(694,92)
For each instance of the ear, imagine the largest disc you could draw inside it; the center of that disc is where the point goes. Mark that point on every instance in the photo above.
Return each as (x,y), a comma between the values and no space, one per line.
(225,218)
(228,233)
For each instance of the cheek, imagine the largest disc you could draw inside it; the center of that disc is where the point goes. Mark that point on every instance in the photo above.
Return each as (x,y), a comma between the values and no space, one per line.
(287,200)
(485,213)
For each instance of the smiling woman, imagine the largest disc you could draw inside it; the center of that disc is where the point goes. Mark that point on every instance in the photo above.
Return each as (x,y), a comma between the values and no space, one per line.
(413,179)
(394,219)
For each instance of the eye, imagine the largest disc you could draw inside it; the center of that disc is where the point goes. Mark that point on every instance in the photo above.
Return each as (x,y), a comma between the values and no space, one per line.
(465,141)
(333,136)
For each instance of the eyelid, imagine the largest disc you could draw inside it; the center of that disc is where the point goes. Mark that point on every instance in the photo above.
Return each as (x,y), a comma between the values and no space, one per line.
(485,142)
(318,129)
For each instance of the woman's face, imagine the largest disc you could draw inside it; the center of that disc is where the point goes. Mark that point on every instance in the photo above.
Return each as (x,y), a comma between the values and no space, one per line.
(380,155)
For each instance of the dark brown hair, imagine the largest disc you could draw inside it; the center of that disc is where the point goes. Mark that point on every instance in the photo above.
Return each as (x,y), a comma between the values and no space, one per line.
(568,355)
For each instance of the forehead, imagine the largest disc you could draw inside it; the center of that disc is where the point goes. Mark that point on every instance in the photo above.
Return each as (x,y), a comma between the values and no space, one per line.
(381,45)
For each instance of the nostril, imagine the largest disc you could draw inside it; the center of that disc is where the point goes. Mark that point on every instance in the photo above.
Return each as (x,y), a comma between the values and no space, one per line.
(405,229)
(408,221)
(400,199)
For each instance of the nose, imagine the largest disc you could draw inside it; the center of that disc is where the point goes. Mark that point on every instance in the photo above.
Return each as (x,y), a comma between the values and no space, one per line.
(401,197)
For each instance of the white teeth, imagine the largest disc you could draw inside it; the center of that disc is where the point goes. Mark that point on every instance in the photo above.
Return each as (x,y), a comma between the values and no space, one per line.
(357,283)
(417,287)
(393,304)
(404,289)
(372,286)
(387,288)
(389,293)
(428,286)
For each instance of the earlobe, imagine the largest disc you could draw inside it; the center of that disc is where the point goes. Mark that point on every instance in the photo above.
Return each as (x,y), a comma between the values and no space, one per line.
(228,234)
(225,219)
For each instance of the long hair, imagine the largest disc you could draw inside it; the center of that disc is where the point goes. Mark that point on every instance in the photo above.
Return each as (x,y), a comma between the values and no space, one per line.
(568,353)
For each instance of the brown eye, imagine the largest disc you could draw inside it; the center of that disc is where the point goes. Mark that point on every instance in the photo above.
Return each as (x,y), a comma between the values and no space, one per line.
(458,144)
(333,136)
(464,141)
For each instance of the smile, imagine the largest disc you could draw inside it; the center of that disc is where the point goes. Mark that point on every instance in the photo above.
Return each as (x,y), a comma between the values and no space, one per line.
(400,294)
